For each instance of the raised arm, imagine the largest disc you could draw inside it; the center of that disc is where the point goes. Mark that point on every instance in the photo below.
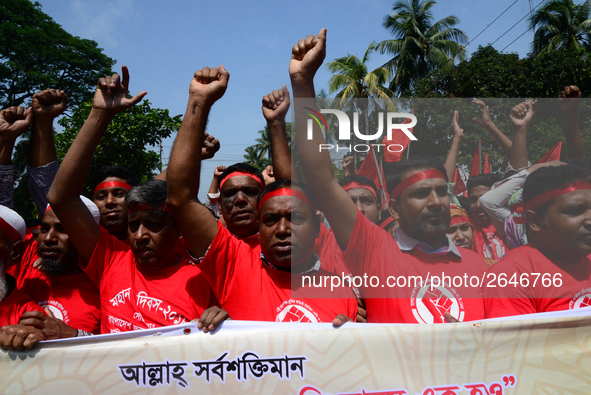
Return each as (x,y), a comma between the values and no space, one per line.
(307,56)
(275,107)
(521,116)
(42,167)
(64,196)
(487,123)
(199,227)
(569,101)
(452,156)
(14,121)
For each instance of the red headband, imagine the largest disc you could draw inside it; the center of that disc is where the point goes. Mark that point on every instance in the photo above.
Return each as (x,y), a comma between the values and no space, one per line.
(459,219)
(354,184)
(142,206)
(386,222)
(241,173)
(109,184)
(9,230)
(420,176)
(288,192)
(551,194)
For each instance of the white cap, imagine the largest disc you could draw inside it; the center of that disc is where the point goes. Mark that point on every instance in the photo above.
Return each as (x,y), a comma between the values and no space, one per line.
(12,224)
(94,210)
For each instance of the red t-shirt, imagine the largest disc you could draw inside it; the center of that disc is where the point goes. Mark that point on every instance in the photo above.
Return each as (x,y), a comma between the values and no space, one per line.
(250,290)
(329,252)
(373,252)
(14,306)
(132,299)
(488,243)
(559,285)
(74,298)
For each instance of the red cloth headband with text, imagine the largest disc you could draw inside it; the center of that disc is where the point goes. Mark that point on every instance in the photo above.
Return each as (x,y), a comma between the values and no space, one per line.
(420,176)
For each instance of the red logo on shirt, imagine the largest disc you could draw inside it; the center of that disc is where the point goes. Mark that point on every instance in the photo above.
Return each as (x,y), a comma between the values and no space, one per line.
(493,247)
(296,311)
(430,303)
(57,309)
(581,299)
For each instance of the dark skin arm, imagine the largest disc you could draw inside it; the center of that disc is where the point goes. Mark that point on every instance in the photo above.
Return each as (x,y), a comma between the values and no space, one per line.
(14,121)
(184,167)
(51,327)
(64,196)
(211,318)
(521,116)
(275,108)
(307,57)
(452,156)
(19,337)
(46,106)
(569,101)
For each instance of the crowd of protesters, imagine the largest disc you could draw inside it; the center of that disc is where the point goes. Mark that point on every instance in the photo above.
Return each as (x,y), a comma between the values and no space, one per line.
(146,255)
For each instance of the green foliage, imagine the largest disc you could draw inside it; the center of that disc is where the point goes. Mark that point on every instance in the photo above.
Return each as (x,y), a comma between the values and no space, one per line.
(561,24)
(420,45)
(259,154)
(127,140)
(36,53)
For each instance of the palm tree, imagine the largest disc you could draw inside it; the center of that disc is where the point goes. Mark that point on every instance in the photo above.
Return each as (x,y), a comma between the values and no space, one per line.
(419,45)
(561,24)
(259,154)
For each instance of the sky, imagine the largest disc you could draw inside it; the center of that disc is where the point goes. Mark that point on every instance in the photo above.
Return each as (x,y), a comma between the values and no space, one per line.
(164,42)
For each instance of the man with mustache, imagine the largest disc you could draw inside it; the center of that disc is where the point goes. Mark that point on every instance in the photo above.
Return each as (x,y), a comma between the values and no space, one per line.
(418,201)
(251,284)
(554,273)
(145,284)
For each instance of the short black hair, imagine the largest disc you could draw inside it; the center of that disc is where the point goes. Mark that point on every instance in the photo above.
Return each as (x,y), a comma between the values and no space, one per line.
(551,177)
(287,183)
(415,163)
(241,167)
(114,171)
(465,203)
(487,180)
(363,181)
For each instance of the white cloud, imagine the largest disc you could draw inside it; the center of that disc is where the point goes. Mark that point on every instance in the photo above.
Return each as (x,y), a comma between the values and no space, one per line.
(102,21)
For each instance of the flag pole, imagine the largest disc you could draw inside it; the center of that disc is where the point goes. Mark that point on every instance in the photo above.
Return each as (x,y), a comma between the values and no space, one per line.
(375,160)
(479,157)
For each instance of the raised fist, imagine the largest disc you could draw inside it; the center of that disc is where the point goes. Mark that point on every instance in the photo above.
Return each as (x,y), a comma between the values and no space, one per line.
(268,175)
(455,127)
(209,85)
(485,121)
(48,104)
(307,56)
(218,171)
(569,99)
(211,145)
(14,121)
(276,105)
(523,113)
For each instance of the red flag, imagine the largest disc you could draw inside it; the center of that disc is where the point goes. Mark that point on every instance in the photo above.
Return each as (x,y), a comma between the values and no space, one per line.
(475,163)
(486,169)
(460,186)
(398,137)
(553,153)
(369,169)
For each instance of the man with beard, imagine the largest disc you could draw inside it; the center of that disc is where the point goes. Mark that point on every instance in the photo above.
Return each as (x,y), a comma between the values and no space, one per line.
(554,273)
(110,185)
(57,283)
(14,303)
(250,284)
(418,201)
(144,284)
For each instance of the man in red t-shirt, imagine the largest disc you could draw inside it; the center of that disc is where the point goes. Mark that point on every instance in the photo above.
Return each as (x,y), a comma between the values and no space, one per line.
(555,272)
(488,242)
(418,200)
(144,284)
(250,284)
